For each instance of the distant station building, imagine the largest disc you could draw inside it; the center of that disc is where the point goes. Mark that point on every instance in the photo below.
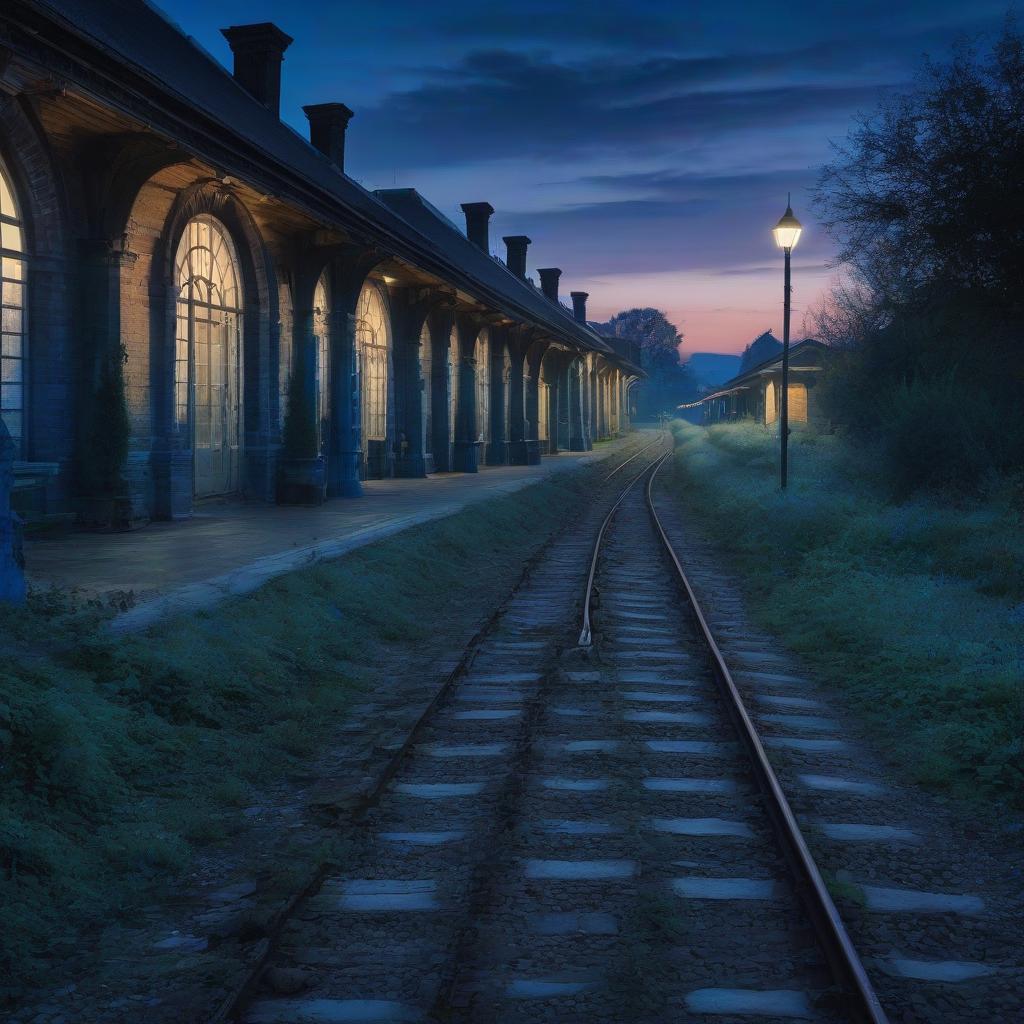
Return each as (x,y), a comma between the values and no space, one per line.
(755,392)
(198,302)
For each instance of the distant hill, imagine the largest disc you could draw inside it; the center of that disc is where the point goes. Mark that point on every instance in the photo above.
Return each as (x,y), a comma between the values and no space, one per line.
(712,368)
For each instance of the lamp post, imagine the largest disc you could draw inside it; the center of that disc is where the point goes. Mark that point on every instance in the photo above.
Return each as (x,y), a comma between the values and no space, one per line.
(787,234)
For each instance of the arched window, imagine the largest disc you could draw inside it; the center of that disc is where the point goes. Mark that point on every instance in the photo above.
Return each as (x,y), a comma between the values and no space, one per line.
(321,318)
(483,385)
(13,351)
(206,376)
(426,368)
(372,343)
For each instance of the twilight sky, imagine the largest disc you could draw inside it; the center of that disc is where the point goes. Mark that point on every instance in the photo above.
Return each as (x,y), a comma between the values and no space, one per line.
(645,146)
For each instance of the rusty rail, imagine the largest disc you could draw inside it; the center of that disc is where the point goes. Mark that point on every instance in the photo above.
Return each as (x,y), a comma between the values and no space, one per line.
(835,940)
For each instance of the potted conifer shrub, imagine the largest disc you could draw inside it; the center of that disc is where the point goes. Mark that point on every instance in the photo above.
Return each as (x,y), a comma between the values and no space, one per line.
(301,469)
(104,502)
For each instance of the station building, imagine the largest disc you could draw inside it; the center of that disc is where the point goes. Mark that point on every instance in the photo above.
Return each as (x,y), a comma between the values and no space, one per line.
(199,302)
(755,393)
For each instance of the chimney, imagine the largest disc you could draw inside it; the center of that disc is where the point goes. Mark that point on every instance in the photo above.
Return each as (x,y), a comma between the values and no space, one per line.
(478,216)
(549,282)
(327,124)
(516,260)
(579,306)
(259,50)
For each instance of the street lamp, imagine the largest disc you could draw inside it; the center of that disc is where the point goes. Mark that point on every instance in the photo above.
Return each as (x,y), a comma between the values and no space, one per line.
(787,234)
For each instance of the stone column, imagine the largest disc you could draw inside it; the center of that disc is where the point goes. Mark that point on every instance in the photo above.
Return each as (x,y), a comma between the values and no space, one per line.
(553,405)
(12,560)
(587,402)
(466,432)
(113,483)
(346,425)
(532,416)
(577,434)
(497,449)
(410,413)
(300,463)
(518,455)
(562,427)
(440,323)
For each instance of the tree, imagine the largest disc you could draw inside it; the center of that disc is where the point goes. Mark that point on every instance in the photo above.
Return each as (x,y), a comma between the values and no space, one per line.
(668,383)
(650,329)
(927,192)
(924,201)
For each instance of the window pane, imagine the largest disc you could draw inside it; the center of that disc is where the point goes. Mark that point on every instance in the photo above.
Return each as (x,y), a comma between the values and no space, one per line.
(10,371)
(10,395)
(12,420)
(10,320)
(13,269)
(10,236)
(6,199)
(12,295)
(11,345)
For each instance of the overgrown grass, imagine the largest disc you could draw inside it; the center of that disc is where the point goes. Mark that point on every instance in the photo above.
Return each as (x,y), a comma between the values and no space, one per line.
(912,611)
(120,758)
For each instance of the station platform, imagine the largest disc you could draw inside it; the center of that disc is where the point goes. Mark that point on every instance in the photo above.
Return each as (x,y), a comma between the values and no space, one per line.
(232,547)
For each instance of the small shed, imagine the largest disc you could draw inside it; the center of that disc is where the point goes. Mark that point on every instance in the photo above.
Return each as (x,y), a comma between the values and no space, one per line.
(755,394)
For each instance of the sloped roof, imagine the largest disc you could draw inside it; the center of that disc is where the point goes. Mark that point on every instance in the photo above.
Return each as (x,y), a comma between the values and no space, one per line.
(764,346)
(150,56)
(435,226)
(795,351)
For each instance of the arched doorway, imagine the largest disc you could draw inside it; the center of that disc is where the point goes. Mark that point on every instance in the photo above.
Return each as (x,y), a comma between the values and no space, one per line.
(770,412)
(373,343)
(13,354)
(207,395)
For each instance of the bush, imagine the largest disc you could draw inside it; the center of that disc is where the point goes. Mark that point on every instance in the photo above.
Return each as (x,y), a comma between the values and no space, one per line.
(909,611)
(936,436)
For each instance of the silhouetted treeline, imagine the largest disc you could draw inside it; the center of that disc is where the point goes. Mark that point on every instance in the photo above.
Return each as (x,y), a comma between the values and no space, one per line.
(926,202)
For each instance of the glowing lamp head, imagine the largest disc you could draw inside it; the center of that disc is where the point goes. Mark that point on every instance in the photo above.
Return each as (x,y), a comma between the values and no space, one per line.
(787,231)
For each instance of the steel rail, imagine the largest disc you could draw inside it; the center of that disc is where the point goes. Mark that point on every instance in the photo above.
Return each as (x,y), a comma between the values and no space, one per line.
(839,949)
(639,451)
(586,638)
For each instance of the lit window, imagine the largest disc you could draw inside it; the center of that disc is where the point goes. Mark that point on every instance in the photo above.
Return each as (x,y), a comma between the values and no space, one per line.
(12,348)
(321,333)
(206,384)
(372,346)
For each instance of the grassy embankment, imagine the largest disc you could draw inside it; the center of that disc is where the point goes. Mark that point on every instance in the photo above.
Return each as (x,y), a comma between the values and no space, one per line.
(913,611)
(119,759)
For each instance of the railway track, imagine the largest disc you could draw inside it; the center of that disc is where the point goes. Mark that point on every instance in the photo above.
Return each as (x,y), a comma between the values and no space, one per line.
(576,833)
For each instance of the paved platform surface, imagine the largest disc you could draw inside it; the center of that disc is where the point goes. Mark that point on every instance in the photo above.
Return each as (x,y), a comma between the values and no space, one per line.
(232,547)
